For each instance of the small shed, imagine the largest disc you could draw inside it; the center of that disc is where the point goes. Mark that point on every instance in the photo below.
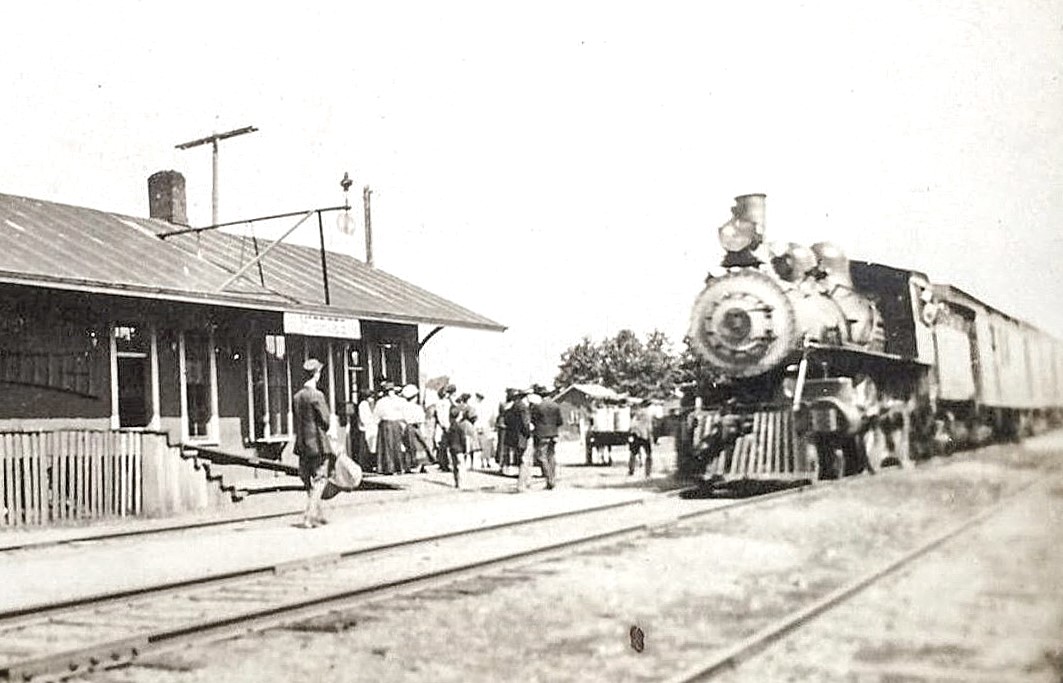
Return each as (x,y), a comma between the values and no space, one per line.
(577,403)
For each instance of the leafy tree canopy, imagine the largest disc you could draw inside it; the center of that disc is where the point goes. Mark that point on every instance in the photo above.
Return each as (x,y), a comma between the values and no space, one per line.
(647,368)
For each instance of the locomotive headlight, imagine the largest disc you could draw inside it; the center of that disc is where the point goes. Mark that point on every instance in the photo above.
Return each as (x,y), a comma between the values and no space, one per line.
(737,234)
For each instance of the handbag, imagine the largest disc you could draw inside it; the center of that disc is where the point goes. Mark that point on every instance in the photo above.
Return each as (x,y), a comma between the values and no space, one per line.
(346,475)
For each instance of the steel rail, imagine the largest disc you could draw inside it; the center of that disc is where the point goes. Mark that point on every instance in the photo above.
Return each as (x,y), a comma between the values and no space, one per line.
(44,609)
(734,656)
(127,648)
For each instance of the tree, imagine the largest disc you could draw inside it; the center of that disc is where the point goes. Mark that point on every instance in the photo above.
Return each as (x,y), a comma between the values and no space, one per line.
(623,363)
(580,364)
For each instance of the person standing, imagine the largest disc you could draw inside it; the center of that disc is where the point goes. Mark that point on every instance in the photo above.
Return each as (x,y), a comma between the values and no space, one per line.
(456,441)
(518,430)
(390,411)
(415,417)
(442,425)
(468,418)
(367,431)
(501,452)
(316,459)
(641,438)
(546,419)
(483,424)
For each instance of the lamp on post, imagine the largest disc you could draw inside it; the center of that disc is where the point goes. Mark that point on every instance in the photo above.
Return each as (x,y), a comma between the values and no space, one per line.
(344,221)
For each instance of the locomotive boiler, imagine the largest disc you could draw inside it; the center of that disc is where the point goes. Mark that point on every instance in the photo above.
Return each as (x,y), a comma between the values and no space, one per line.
(815,366)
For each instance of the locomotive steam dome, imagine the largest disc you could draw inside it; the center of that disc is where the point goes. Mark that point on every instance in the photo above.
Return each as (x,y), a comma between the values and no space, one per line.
(743,323)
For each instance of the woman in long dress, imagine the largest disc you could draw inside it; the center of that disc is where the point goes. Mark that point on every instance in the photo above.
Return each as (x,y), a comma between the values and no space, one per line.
(468,425)
(390,411)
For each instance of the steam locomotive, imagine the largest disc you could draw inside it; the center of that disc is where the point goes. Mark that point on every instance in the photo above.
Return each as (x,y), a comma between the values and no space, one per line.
(815,366)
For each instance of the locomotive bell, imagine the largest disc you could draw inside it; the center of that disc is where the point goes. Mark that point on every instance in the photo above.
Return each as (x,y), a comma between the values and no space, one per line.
(792,262)
(833,262)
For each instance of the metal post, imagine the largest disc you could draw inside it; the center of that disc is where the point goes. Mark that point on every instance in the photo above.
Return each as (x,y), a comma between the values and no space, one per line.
(214,184)
(366,193)
(324,262)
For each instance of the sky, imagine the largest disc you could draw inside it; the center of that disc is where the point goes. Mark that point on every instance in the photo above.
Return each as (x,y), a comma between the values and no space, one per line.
(562,167)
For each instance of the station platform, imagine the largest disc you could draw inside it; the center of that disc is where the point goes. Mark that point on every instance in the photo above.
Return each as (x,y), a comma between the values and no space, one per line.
(56,564)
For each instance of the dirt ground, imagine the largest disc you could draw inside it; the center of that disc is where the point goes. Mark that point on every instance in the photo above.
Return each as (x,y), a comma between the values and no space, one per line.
(694,589)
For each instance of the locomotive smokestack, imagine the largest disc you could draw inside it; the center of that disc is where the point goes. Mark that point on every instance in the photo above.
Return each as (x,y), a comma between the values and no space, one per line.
(744,233)
(751,207)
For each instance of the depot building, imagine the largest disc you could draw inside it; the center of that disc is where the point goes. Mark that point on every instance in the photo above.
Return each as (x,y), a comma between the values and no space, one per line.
(113,322)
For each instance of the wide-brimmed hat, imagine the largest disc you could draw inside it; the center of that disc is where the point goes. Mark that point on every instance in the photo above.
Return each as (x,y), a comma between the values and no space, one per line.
(313,365)
(409,391)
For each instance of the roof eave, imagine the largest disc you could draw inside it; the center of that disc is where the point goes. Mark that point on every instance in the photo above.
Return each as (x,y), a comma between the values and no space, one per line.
(121,289)
(232,301)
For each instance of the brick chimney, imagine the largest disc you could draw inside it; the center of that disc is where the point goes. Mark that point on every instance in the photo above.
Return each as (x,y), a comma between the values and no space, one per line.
(166,197)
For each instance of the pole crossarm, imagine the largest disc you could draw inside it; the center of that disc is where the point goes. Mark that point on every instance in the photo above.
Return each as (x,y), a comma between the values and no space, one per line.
(216,136)
(186,231)
(247,266)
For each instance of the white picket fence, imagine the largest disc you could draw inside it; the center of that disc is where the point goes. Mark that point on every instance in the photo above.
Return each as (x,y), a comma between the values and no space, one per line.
(53,476)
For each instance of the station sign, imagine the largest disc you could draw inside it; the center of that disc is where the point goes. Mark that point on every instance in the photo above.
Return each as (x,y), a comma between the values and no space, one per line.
(318,325)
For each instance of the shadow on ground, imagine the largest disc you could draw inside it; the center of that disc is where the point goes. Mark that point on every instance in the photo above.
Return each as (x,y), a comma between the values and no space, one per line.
(378,485)
(744,488)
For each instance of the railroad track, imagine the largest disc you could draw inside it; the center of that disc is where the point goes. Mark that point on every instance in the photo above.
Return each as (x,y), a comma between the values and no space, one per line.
(54,641)
(166,527)
(733,657)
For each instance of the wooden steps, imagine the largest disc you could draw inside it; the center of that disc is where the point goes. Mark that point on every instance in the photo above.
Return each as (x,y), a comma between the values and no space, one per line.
(229,472)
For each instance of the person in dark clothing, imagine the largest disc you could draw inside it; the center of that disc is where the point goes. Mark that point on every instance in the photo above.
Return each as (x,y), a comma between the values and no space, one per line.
(316,459)
(518,429)
(456,441)
(545,418)
(641,438)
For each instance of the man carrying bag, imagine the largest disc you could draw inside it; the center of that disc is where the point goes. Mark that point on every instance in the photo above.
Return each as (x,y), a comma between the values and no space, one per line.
(312,445)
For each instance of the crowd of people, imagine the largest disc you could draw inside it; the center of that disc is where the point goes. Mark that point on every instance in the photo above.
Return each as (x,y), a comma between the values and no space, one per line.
(396,430)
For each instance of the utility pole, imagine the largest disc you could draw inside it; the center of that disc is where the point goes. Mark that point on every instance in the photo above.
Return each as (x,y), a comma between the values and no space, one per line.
(366,193)
(213,140)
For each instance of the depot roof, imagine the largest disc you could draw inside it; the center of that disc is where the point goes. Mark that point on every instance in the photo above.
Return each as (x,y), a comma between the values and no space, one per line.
(48,244)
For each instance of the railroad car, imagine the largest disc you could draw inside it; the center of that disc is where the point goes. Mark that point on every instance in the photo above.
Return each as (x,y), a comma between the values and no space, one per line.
(815,366)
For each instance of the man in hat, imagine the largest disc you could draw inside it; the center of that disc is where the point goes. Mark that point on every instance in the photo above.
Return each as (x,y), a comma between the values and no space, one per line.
(545,418)
(518,429)
(501,451)
(316,459)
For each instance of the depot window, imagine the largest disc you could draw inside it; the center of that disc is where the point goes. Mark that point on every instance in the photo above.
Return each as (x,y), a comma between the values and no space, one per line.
(199,394)
(269,374)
